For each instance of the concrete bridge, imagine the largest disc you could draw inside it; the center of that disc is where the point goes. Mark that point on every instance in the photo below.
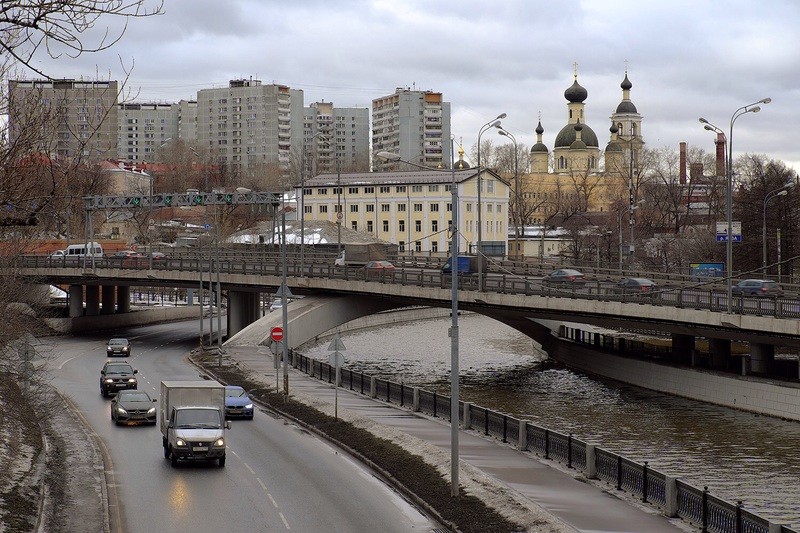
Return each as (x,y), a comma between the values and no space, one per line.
(682,313)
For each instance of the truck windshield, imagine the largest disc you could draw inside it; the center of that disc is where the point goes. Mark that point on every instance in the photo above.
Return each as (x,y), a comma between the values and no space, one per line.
(197,418)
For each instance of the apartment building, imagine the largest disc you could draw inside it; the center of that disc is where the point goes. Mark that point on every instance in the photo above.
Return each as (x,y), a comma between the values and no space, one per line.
(144,128)
(77,119)
(413,209)
(413,124)
(335,135)
(248,124)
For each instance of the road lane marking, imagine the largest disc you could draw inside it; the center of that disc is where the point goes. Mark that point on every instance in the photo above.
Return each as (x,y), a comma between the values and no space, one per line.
(285,523)
(272,500)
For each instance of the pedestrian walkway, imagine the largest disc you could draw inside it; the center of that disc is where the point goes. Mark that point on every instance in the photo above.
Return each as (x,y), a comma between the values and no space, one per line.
(583,505)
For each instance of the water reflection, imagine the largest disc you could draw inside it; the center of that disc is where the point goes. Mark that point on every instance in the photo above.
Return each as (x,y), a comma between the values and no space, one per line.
(739,456)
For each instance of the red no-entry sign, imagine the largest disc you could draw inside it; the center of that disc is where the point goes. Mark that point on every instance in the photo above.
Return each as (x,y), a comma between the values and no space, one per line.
(276,333)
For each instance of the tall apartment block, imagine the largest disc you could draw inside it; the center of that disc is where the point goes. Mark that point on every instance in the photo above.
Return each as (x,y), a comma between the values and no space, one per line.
(248,124)
(335,135)
(413,124)
(145,128)
(78,119)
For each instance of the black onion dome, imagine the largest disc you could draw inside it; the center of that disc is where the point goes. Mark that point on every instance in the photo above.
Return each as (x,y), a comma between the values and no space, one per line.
(567,136)
(626,83)
(626,106)
(613,128)
(539,128)
(461,165)
(539,147)
(576,93)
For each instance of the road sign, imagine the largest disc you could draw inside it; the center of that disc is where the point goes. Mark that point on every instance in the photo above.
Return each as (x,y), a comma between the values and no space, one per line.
(207,226)
(276,334)
(339,216)
(336,359)
(736,231)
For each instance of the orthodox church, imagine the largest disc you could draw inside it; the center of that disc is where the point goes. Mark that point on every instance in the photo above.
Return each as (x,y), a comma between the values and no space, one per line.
(577,177)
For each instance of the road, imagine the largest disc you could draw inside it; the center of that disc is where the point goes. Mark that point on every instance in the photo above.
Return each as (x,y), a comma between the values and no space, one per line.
(277,477)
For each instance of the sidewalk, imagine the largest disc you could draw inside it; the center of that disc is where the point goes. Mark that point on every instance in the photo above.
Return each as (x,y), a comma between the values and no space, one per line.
(582,505)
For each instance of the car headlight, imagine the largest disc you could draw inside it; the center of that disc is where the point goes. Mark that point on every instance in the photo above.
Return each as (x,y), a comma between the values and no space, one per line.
(131,380)
(219,442)
(151,411)
(108,348)
(122,411)
(125,349)
(109,380)
(180,442)
(248,406)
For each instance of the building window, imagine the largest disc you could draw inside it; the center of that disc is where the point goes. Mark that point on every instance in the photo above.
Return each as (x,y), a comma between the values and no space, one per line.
(489,186)
(352,190)
(488,208)
(401,208)
(416,188)
(322,191)
(323,209)
(369,190)
(417,226)
(354,208)
(417,246)
(370,208)
(469,208)
(385,208)
(433,188)
(386,226)
(434,246)
(385,190)
(354,225)
(400,188)
(449,208)
(402,226)
(434,226)
(369,226)
(401,245)
(417,208)
(435,208)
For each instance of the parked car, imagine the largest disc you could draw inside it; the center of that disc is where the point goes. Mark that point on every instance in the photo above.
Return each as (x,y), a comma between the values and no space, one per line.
(133,406)
(237,403)
(635,287)
(376,269)
(757,287)
(116,376)
(568,277)
(118,346)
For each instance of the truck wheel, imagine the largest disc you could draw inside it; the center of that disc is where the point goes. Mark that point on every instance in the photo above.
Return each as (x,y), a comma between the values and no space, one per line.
(173,459)
(221,461)
(166,452)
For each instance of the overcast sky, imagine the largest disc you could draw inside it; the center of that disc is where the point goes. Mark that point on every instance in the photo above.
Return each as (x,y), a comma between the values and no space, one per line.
(685,59)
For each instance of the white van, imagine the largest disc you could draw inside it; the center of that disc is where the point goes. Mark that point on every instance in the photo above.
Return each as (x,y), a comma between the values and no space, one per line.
(79,251)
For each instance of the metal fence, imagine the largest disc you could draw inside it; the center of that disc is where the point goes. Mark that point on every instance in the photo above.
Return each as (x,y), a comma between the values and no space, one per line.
(673,496)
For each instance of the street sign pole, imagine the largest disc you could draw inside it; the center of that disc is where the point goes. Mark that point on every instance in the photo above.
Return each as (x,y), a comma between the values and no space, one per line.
(336,359)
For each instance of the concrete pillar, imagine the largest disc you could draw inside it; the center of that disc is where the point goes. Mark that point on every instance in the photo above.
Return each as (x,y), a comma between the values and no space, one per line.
(682,348)
(415,401)
(75,300)
(762,357)
(720,352)
(591,461)
(373,387)
(108,295)
(522,443)
(467,415)
(123,299)
(92,300)
(243,310)
(670,496)
(189,296)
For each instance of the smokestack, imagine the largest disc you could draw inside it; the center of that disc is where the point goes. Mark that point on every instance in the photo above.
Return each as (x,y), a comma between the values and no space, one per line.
(720,142)
(683,163)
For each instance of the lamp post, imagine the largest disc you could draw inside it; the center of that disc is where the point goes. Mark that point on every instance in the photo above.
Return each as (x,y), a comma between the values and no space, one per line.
(515,214)
(495,123)
(770,195)
(749,108)
(339,212)
(626,209)
(454,363)
(302,200)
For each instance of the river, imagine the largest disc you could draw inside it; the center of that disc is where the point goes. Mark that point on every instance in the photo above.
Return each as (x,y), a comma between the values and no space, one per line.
(737,455)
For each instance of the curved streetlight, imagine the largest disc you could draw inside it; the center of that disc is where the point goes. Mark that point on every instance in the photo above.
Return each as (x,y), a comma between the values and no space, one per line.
(454,371)
(749,108)
(494,123)
(515,214)
(770,195)
(627,209)
(302,198)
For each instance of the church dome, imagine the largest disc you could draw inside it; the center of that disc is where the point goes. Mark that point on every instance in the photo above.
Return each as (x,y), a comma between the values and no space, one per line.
(576,94)
(613,147)
(539,147)
(567,136)
(626,106)
(626,84)
(461,165)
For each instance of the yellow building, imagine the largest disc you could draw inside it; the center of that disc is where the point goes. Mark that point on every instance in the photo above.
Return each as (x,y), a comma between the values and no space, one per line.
(414,209)
(577,177)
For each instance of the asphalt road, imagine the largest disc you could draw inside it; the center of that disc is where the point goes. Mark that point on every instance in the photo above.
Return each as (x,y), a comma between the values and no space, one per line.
(277,477)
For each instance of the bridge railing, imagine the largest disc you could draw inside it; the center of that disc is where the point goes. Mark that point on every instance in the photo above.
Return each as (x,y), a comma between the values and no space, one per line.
(672,496)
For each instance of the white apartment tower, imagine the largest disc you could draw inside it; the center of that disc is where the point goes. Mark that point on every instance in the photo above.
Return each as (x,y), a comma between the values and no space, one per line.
(76,119)
(335,135)
(413,124)
(248,124)
(147,127)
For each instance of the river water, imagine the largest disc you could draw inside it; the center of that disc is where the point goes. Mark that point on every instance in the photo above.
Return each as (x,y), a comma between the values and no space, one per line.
(737,455)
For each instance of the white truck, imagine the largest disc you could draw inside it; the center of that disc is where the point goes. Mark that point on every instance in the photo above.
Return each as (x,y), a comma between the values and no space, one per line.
(192,418)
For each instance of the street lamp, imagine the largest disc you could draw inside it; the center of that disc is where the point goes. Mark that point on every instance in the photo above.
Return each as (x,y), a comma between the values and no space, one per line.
(454,370)
(749,108)
(515,214)
(302,199)
(495,123)
(627,209)
(770,195)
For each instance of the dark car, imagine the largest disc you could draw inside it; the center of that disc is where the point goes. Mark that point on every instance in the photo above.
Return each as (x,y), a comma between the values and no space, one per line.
(133,406)
(757,287)
(636,287)
(116,376)
(378,269)
(237,403)
(565,277)
(118,346)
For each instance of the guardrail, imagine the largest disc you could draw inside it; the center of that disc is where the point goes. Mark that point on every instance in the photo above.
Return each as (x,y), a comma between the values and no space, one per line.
(674,497)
